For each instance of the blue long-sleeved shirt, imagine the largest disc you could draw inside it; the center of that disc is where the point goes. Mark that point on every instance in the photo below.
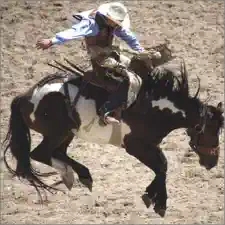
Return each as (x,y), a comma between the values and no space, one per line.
(87,26)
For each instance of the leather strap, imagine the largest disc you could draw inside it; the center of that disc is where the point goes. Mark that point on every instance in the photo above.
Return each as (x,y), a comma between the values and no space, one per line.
(83,85)
(71,105)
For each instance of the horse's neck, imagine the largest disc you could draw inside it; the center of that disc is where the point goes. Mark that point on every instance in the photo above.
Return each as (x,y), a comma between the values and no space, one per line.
(183,110)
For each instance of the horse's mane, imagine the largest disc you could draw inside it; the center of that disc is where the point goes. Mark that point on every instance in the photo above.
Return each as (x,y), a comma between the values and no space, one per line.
(161,77)
(170,80)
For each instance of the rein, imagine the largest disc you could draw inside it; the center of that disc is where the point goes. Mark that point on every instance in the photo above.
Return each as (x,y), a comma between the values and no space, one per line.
(210,151)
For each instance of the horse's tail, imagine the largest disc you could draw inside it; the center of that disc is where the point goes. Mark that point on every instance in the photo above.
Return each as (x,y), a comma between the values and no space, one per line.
(18,140)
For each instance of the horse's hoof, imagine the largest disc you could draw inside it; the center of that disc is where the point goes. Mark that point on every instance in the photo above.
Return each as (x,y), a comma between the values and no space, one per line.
(146,200)
(68,182)
(160,211)
(87,182)
(68,178)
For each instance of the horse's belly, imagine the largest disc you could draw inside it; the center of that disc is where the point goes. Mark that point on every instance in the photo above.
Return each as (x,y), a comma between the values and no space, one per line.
(110,134)
(91,130)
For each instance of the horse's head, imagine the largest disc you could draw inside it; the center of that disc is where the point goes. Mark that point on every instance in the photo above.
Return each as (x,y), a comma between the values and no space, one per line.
(205,135)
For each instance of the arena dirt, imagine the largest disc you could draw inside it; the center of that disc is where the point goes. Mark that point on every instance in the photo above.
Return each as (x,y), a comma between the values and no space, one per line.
(195,30)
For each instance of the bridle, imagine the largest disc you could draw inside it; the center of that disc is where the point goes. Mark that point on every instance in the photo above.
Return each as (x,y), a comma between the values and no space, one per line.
(199,130)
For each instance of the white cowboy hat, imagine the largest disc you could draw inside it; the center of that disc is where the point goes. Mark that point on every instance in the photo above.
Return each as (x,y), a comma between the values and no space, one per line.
(117,12)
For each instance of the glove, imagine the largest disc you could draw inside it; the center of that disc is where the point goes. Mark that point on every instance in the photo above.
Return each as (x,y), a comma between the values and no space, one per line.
(44,44)
(156,55)
(152,54)
(110,63)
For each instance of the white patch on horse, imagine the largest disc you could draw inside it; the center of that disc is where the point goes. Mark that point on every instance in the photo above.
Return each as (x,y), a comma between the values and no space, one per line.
(164,103)
(39,93)
(65,170)
(90,130)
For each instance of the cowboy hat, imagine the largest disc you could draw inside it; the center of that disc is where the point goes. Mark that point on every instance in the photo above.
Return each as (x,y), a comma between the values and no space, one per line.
(116,12)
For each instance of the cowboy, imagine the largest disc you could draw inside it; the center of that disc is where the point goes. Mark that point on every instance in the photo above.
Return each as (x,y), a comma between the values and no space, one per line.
(98,28)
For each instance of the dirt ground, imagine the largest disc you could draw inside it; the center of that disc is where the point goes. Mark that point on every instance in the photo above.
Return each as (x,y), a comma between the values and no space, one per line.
(195,30)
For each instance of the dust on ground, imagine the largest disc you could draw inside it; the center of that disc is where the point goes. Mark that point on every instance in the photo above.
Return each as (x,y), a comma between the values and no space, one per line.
(195,30)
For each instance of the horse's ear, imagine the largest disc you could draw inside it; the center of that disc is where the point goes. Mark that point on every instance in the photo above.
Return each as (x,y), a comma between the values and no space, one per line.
(220,107)
(167,42)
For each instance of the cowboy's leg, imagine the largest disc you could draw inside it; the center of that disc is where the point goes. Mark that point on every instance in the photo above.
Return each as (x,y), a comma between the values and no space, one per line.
(124,60)
(134,81)
(127,91)
(96,77)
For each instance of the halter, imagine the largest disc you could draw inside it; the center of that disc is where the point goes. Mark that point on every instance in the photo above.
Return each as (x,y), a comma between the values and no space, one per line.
(199,130)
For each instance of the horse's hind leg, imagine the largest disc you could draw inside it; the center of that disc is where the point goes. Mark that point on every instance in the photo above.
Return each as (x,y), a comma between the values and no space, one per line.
(82,171)
(152,157)
(42,154)
(60,154)
(56,158)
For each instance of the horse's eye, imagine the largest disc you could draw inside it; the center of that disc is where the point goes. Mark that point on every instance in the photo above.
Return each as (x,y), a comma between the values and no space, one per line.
(198,128)
(210,115)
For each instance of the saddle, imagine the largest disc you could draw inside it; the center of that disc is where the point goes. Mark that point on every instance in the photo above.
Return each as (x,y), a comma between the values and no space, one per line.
(105,80)
(104,77)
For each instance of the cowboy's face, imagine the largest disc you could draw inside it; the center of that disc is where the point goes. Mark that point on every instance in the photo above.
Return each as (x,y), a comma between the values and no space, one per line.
(112,24)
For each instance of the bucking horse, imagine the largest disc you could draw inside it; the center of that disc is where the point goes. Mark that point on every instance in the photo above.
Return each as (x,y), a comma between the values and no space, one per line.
(163,105)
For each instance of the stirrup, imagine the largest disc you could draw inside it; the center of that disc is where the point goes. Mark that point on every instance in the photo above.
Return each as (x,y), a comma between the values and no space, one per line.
(106,119)
(111,120)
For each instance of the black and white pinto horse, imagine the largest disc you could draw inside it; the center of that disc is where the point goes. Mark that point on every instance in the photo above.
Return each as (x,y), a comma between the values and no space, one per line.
(163,105)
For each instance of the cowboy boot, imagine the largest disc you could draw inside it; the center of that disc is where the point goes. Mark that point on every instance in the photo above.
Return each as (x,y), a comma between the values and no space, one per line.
(105,116)
(126,93)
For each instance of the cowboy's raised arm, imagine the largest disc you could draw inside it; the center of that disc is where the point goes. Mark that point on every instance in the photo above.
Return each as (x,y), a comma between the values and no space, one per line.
(86,27)
(129,38)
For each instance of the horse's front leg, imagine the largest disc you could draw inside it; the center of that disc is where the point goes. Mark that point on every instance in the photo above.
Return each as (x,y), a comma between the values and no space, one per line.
(153,157)
(156,193)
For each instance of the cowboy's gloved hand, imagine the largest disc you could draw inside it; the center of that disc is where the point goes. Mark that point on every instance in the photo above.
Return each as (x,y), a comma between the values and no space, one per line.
(110,63)
(143,54)
(44,44)
(152,54)
(156,55)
